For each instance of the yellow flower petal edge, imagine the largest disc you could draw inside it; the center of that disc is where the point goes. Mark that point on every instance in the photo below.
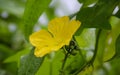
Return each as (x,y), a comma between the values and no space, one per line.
(60,32)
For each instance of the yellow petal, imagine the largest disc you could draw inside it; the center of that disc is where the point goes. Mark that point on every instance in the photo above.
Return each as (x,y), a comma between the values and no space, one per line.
(56,26)
(63,29)
(44,43)
(41,38)
(41,52)
(71,28)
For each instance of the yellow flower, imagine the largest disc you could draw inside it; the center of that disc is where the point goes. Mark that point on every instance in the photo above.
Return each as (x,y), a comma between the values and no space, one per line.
(60,32)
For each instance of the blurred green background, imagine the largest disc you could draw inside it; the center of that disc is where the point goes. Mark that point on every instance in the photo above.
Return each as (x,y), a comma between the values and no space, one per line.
(19,18)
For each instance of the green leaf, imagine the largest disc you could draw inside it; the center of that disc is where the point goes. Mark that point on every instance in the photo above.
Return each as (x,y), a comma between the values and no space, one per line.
(87,2)
(33,10)
(86,42)
(16,57)
(74,64)
(29,64)
(97,16)
(118,46)
(57,62)
(50,12)
(115,67)
(101,48)
(87,39)
(111,38)
(118,13)
(52,64)
(45,65)
(89,19)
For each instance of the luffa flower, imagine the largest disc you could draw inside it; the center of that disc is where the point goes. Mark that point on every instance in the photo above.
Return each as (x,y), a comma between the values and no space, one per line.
(60,32)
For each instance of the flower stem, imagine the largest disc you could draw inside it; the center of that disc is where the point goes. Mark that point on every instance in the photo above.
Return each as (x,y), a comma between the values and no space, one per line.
(63,64)
(51,68)
(64,61)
